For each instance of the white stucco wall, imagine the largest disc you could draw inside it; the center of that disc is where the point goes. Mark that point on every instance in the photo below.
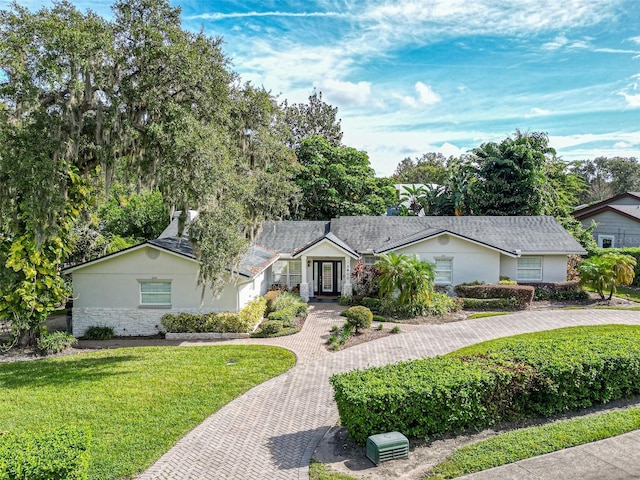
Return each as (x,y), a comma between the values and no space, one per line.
(554,268)
(108,292)
(470,261)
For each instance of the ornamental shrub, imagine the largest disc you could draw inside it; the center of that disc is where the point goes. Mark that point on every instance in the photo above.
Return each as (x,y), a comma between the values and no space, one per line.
(562,291)
(60,454)
(99,332)
(287,314)
(522,295)
(510,378)
(270,298)
(371,303)
(271,327)
(253,312)
(359,317)
(219,322)
(56,342)
(488,303)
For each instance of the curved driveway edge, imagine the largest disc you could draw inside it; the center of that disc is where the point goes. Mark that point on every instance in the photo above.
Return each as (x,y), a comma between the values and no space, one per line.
(271,431)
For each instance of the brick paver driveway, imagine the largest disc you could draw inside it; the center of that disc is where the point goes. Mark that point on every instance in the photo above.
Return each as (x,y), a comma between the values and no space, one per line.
(272,430)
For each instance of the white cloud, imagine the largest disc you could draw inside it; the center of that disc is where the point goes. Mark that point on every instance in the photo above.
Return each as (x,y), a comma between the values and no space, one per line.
(622,145)
(537,112)
(635,40)
(426,95)
(558,42)
(632,100)
(346,93)
(223,16)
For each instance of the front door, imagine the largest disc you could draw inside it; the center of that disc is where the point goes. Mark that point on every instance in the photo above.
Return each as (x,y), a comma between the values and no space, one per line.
(327,277)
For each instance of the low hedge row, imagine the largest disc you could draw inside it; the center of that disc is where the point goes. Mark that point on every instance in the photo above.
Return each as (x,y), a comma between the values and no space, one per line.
(522,295)
(558,291)
(489,304)
(61,454)
(517,377)
(221,322)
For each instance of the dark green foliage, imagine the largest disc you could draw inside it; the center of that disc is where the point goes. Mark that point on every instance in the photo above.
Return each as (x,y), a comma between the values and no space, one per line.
(56,342)
(338,181)
(395,329)
(293,300)
(509,378)
(344,301)
(380,318)
(520,295)
(359,317)
(287,314)
(313,118)
(285,308)
(441,304)
(98,332)
(371,303)
(141,216)
(271,327)
(632,251)
(61,454)
(562,291)
(488,304)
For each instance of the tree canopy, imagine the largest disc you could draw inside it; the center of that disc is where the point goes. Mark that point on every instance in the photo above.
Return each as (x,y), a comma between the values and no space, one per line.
(84,98)
(339,181)
(313,118)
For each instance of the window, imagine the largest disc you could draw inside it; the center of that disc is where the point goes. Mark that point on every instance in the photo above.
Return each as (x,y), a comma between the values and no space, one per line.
(155,293)
(369,260)
(444,271)
(606,241)
(287,272)
(529,268)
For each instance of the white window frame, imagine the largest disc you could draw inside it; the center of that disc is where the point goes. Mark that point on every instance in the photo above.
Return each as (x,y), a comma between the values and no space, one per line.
(525,269)
(601,238)
(161,304)
(448,278)
(287,273)
(369,260)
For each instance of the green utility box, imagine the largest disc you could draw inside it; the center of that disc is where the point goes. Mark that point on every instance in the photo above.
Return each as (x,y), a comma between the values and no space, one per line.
(387,446)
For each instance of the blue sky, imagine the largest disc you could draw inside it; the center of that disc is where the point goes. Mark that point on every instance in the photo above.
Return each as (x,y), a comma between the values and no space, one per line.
(412,76)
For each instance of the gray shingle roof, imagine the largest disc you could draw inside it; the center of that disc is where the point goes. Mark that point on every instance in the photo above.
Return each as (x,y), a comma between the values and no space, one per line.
(530,235)
(254,261)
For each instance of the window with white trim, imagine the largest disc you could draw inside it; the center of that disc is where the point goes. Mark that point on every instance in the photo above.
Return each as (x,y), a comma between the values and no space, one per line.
(155,293)
(606,241)
(369,260)
(529,269)
(287,272)
(444,271)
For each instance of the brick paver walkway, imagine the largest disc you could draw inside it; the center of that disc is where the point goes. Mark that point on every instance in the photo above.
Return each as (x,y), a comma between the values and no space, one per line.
(271,431)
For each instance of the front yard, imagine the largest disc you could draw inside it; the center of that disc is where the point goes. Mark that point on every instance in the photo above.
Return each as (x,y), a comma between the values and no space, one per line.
(136,402)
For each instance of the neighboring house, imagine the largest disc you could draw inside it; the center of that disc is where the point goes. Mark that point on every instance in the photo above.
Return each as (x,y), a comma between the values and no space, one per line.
(617,220)
(132,289)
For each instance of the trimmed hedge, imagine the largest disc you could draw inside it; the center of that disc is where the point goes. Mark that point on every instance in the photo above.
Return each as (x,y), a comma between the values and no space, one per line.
(522,295)
(61,454)
(488,303)
(222,322)
(516,377)
(558,291)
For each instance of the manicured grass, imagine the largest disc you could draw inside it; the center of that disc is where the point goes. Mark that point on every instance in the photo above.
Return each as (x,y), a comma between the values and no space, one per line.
(137,402)
(319,471)
(530,442)
(487,314)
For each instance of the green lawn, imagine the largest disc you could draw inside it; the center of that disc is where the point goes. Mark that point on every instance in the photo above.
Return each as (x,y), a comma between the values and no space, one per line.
(137,402)
(530,442)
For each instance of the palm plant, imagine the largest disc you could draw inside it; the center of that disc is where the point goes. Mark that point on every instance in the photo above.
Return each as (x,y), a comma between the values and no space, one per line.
(407,280)
(606,272)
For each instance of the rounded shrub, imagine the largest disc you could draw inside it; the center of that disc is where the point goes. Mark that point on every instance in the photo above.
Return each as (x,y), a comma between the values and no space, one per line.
(271,327)
(359,317)
(99,332)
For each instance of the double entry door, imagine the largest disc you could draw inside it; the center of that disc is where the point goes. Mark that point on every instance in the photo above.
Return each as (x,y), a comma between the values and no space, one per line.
(326,277)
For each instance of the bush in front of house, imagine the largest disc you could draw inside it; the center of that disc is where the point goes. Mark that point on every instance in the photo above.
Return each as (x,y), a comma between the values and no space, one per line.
(270,298)
(359,317)
(516,377)
(632,251)
(522,295)
(60,454)
(562,291)
(55,342)
(287,299)
(217,322)
(98,332)
(489,304)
